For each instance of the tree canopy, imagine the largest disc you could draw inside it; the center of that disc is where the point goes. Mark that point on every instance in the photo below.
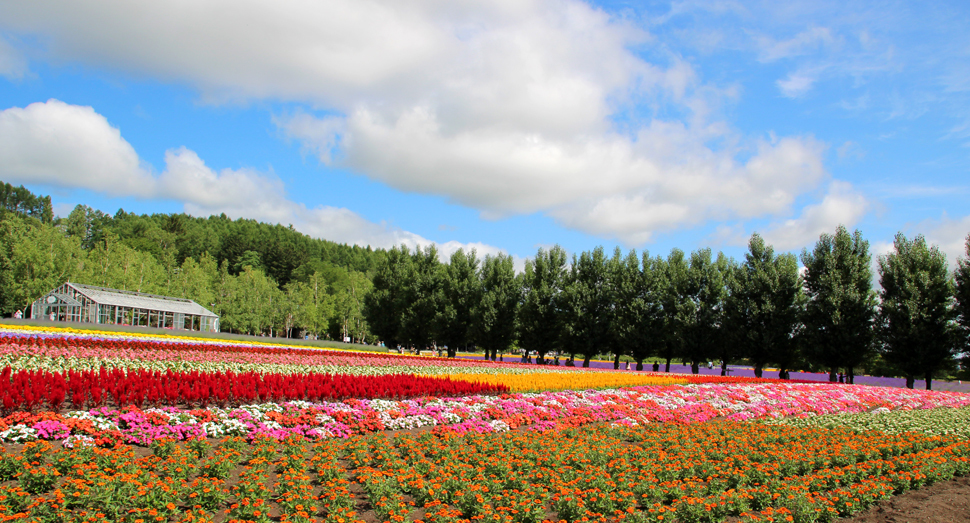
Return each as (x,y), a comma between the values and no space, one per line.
(270,279)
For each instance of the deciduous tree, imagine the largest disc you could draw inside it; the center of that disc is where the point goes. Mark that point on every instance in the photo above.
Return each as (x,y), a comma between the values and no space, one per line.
(541,317)
(762,310)
(384,306)
(840,311)
(916,316)
(493,320)
(588,304)
(962,291)
(695,304)
(461,292)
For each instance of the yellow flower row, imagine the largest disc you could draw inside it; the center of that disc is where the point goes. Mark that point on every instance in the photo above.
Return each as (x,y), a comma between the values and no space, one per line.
(571,380)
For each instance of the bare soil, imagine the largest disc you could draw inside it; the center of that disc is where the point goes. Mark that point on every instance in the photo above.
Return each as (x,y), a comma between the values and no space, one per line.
(946,502)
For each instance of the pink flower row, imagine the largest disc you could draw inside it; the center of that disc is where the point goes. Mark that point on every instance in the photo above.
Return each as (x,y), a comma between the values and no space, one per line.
(668,404)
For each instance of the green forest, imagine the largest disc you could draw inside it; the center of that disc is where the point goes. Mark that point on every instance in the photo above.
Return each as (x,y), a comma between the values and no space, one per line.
(693,307)
(259,278)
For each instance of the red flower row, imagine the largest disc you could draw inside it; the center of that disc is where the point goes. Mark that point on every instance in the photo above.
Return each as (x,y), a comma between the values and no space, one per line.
(30,389)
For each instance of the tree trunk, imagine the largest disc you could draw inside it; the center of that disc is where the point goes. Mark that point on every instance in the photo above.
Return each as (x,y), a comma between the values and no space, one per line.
(910,381)
(640,364)
(832,376)
(668,366)
(616,361)
(723,367)
(695,367)
(850,378)
(586,358)
(452,352)
(782,374)
(929,381)
(758,371)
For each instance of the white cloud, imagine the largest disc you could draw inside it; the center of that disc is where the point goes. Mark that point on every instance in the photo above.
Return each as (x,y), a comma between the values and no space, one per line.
(520,62)
(504,106)
(841,206)
(807,41)
(797,83)
(13,65)
(610,185)
(73,146)
(949,234)
(243,192)
(66,145)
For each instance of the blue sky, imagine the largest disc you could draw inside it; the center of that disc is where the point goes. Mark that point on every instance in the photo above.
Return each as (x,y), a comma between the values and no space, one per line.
(501,125)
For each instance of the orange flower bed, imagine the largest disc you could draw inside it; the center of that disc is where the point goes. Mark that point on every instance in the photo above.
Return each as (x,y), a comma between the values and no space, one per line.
(703,472)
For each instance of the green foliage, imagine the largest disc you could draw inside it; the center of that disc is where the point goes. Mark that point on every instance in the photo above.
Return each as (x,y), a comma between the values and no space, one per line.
(35,258)
(384,306)
(588,306)
(347,292)
(461,293)
(694,304)
(87,225)
(840,311)
(540,321)
(916,317)
(638,318)
(493,319)
(762,311)
(179,255)
(424,298)
(271,279)
(22,202)
(962,307)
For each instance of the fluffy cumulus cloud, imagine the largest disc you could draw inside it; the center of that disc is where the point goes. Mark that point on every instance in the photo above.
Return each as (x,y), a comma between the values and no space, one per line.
(73,146)
(842,205)
(69,145)
(509,106)
(949,234)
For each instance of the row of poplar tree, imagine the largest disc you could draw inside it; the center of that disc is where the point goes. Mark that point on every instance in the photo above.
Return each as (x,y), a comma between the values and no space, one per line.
(271,279)
(695,308)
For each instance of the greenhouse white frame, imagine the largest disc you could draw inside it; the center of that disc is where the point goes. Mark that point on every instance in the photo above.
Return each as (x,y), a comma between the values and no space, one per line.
(75,302)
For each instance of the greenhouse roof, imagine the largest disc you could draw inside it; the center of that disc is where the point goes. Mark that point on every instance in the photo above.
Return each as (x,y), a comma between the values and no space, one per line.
(140,300)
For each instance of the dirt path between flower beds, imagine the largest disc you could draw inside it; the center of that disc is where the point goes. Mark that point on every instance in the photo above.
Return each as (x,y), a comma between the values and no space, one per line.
(944,502)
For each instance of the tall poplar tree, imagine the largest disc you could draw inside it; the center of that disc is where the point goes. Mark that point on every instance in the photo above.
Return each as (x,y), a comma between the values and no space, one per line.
(762,309)
(493,320)
(840,311)
(461,292)
(588,306)
(916,317)
(695,304)
(962,277)
(423,298)
(384,305)
(540,317)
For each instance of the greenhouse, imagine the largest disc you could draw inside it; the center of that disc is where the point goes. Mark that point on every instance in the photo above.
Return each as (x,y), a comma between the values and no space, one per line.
(74,302)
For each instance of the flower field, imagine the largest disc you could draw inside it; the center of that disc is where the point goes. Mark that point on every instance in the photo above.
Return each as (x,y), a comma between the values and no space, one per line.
(103,427)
